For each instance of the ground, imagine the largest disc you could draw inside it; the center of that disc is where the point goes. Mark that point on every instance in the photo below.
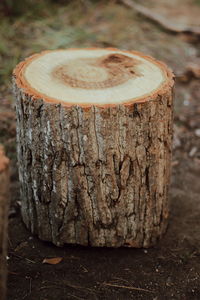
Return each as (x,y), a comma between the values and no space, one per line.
(171,270)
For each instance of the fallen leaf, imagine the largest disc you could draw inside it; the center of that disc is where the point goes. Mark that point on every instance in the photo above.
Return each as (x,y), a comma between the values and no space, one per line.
(52,261)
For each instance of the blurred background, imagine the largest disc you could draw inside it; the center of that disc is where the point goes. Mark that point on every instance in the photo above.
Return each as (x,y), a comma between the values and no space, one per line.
(169,31)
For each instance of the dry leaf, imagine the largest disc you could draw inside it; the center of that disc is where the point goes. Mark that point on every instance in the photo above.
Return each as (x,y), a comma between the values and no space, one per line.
(52,261)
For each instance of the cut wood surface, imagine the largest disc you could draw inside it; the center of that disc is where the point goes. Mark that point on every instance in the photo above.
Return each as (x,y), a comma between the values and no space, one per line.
(94,132)
(4,204)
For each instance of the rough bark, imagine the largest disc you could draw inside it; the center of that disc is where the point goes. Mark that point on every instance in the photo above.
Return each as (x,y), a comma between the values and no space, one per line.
(4,204)
(95,177)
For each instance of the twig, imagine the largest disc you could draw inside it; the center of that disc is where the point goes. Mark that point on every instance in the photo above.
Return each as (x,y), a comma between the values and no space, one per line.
(61,285)
(127,287)
(13,273)
(49,287)
(21,257)
(84,269)
(121,279)
(66,284)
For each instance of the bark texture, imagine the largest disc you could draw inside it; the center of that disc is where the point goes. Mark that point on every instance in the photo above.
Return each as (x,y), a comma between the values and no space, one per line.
(97,176)
(4,204)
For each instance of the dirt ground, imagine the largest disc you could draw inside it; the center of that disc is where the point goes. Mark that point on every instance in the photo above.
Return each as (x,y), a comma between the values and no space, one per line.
(171,270)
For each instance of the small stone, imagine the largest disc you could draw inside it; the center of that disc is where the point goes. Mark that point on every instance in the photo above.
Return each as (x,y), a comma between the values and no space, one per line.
(192,151)
(169,281)
(186,102)
(197,132)
(176,142)
(175,163)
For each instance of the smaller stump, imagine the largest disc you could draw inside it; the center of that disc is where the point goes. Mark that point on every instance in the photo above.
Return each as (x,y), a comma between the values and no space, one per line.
(94,132)
(4,205)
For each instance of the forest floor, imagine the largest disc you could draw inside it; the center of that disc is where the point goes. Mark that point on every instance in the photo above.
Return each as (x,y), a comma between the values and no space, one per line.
(171,270)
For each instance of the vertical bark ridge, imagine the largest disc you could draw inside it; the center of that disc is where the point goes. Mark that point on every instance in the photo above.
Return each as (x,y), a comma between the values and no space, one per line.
(98,176)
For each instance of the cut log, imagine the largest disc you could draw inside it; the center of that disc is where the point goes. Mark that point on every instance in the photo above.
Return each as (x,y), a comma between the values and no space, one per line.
(4,204)
(94,133)
(170,23)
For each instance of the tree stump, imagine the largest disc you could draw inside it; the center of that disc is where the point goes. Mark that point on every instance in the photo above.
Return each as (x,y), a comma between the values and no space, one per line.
(4,204)
(94,132)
